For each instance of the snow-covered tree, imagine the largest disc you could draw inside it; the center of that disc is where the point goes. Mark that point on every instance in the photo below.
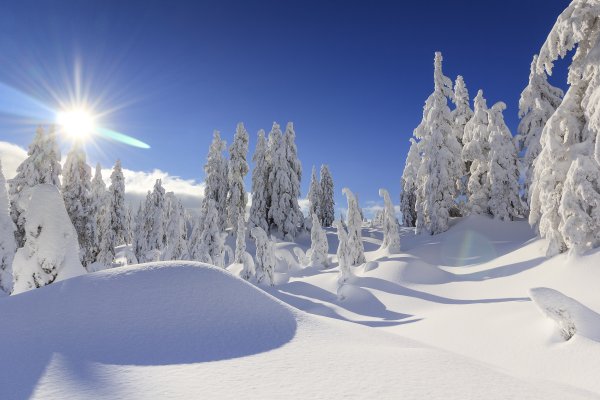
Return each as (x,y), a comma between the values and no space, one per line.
(118,211)
(408,197)
(356,250)
(314,194)
(440,167)
(265,256)
(208,244)
(284,182)
(8,245)
(318,244)
(391,234)
(216,187)
(260,192)
(155,219)
(565,190)
(343,255)
(538,102)
(99,211)
(476,154)
(140,234)
(326,202)
(504,203)
(240,241)
(238,168)
(76,191)
(175,229)
(42,166)
(50,252)
(460,116)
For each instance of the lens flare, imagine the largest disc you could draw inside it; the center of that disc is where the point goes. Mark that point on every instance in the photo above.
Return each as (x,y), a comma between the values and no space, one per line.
(77,123)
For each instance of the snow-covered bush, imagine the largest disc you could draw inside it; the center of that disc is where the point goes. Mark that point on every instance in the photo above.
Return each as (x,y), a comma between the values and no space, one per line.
(344,255)
(265,256)
(50,252)
(356,250)
(318,245)
(391,234)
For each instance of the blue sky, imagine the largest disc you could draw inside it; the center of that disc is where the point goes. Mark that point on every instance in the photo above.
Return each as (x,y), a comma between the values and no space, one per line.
(353,76)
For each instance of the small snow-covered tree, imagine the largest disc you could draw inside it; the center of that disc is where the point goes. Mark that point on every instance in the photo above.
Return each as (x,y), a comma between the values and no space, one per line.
(140,234)
(265,256)
(408,197)
(343,255)
(240,241)
(565,191)
(284,182)
(504,203)
(8,245)
(260,193)
(76,191)
(391,234)
(538,102)
(356,250)
(440,167)
(51,251)
(318,244)
(155,219)
(42,166)
(99,211)
(326,201)
(476,154)
(238,168)
(208,245)
(118,211)
(175,229)
(314,194)
(216,187)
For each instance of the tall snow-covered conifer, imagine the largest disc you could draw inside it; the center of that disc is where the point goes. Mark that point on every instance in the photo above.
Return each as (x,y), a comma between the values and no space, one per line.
(356,250)
(326,201)
(314,194)
(118,212)
(155,219)
(440,168)
(460,116)
(408,197)
(260,192)
(216,187)
(175,229)
(238,168)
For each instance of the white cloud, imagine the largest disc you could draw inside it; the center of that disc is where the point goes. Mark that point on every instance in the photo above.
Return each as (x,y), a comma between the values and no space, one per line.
(11,156)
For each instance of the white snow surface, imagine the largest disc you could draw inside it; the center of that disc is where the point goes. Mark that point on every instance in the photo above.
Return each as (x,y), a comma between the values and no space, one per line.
(449,317)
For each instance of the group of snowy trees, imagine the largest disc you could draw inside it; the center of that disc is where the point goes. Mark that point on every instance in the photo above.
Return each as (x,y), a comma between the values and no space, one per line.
(38,208)
(550,170)
(320,197)
(465,161)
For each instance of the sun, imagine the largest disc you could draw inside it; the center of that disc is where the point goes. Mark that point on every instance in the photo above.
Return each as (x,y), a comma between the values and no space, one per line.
(77,123)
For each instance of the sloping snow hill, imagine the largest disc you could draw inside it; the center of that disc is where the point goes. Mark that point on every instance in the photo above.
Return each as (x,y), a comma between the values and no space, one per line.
(189,330)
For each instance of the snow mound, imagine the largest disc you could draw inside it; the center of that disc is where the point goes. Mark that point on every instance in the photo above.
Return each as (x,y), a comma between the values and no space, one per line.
(571,316)
(406,269)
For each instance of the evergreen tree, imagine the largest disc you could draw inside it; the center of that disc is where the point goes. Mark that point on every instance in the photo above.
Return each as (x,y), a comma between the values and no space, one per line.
(538,102)
(208,245)
(439,170)
(460,116)
(356,251)
(238,168)
(216,187)
(240,242)
(175,229)
(155,220)
(476,154)
(408,197)
(265,256)
(504,203)
(8,245)
(140,234)
(118,212)
(42,166)
(318,244)
(260,192)
(326,202)
(314,195)
(98,211)
(343,255)
(565,193)
(391,234)
(76,191)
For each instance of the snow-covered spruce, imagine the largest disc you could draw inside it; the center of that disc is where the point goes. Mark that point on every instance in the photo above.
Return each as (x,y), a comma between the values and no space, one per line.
(8,245)
(216,186)
(240,242)
(355,248)
(237,170)
(538,102)
(265,256)
(318,244)
(50,252)
(440,167)
(99,211)
(42,166)
(476,154)
(175,230)
(76,191)
(565,193)
(155,221)
(260,193)
(140,234)
(284,182)
(408,197)
(207,245)
(314,195)
(504,203)
(118,212)
(326,202)
(461,114)
(344,256)
(391,234)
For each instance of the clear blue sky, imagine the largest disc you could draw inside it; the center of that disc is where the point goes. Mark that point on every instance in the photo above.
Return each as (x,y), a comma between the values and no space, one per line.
(353,76)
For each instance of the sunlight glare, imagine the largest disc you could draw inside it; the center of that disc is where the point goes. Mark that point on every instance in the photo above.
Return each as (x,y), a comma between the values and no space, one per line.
(77,123)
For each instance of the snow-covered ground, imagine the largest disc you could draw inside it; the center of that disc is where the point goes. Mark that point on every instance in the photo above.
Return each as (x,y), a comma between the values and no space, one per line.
(450,317)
